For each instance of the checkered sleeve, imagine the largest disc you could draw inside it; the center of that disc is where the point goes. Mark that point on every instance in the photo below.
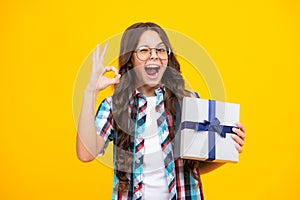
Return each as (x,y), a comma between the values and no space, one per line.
(103,122)
(187,186)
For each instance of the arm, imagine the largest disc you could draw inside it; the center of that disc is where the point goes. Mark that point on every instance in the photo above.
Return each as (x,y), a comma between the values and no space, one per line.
(206,167)
(88,143)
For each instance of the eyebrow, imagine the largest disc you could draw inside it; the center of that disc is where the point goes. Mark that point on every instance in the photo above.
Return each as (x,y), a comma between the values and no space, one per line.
(144,45)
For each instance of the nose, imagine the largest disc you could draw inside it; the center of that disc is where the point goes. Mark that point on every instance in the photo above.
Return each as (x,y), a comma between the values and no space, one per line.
(153,54)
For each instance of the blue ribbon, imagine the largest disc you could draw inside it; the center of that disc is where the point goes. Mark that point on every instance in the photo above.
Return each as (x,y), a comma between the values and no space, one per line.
(211,125)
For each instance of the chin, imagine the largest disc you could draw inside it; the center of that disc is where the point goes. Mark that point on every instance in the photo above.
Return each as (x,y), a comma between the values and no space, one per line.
(152,84)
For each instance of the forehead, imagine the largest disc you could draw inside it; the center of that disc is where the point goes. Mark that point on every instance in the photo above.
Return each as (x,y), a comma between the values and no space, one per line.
(150,38)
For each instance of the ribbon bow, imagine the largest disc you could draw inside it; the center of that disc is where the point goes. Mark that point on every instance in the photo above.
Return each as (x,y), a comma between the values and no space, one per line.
(213,125)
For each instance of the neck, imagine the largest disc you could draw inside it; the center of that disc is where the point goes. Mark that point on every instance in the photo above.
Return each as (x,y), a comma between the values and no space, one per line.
(147,90)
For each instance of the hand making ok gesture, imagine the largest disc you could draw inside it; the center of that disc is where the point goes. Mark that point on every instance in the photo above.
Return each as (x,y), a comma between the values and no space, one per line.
(98,81)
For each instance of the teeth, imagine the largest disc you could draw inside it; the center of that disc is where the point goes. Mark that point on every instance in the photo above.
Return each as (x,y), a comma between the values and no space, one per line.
(156,68)
(149,67)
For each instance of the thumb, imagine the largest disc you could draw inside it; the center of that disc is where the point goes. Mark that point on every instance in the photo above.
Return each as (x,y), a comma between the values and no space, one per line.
(111,81)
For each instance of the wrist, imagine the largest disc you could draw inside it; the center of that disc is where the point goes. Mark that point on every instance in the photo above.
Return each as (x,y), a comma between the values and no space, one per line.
(91,88)
(89,91)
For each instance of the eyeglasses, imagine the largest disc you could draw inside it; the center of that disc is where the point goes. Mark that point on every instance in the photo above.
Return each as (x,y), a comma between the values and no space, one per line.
(144,52)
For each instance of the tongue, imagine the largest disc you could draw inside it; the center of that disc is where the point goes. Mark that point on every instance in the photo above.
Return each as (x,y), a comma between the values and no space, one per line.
(151,71)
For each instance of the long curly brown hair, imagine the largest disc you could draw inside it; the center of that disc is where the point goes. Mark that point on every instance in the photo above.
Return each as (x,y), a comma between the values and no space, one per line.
(124,111)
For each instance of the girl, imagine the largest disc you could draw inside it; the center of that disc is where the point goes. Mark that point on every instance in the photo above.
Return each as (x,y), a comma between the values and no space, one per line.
(139,118)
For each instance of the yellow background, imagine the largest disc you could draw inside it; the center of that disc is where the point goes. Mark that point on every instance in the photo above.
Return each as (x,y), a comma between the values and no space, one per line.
(254,44)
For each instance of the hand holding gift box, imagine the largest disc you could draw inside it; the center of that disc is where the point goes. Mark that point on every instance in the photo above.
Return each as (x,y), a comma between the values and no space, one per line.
(204,129)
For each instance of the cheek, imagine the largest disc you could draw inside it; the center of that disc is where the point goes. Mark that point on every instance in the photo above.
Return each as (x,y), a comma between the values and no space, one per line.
(138,70)
(136,62)
(165,63)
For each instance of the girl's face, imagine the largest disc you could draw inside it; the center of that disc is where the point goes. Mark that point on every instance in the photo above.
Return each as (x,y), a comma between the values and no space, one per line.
(150,59)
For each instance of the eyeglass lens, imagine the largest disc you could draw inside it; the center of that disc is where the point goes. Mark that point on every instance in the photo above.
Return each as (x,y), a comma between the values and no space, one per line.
(144,52)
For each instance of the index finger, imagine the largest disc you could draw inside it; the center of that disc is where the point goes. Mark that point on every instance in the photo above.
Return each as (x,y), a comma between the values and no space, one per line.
(241,126)
(103,52)
(112,68)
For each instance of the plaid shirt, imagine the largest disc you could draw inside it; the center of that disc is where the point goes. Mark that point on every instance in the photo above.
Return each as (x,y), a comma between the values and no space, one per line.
(187,188)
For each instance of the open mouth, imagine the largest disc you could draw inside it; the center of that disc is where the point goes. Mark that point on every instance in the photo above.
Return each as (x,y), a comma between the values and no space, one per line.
(152,70)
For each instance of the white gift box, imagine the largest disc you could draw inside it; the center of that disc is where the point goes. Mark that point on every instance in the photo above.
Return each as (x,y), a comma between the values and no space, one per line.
(203,130)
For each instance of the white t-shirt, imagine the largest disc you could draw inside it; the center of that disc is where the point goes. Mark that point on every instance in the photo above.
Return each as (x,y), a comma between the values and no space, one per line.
(154,175)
